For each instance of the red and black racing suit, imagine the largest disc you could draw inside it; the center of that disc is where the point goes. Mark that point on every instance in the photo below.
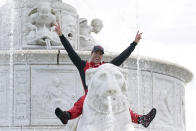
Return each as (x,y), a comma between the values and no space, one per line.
(82,66)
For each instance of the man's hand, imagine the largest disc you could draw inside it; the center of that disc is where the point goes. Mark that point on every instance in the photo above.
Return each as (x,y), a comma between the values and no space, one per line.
(138,37)
(58,29)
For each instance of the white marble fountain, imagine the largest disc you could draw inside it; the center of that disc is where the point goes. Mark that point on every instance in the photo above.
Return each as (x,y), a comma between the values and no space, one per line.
(36,74)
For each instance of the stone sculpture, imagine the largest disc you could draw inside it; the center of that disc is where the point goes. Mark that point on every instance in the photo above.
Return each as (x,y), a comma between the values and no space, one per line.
(45,79)
(86,40)
(41,25)
(106,105)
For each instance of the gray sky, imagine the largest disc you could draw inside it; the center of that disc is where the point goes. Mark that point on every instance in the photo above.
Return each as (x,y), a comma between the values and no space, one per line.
(168,26)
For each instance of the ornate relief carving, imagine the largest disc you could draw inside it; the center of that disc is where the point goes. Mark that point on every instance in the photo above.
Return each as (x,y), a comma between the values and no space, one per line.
(133,90)
(146,91)
(51,87)
(164,99)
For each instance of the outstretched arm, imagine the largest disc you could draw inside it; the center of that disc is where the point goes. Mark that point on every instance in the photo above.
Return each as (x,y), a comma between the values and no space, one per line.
(127,52)
(71,53)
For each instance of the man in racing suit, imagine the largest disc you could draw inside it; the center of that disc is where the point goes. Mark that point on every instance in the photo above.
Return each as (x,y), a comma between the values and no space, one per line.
(96,61)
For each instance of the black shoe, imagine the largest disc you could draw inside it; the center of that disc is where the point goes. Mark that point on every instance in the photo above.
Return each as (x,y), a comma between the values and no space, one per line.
(145,120)
(64,116)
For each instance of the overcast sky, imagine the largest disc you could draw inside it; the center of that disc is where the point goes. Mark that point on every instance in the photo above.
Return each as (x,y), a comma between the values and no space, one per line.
(168,26)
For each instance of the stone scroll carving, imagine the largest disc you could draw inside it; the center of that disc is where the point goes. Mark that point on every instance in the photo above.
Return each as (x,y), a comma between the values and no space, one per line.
(86,40)
(106,105)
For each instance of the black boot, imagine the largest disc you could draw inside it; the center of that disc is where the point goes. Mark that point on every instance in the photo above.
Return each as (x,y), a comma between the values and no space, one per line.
(64,116)
(145,120)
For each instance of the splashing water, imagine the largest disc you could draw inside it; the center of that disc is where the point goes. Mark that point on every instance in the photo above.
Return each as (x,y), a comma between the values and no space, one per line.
(48,44)
(138,79)
(110,117)
(138,58)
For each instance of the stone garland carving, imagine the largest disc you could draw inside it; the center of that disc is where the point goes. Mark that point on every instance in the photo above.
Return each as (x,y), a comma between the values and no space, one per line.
(106,105)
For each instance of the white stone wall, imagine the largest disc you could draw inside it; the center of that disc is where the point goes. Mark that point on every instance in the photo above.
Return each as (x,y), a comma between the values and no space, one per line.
(44,80)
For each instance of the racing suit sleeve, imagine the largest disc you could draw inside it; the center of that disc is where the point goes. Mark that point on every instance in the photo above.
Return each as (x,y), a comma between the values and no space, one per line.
(124,55)
(72,54)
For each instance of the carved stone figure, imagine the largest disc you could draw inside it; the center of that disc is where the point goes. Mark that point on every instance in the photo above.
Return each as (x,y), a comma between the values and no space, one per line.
(86,40)
(106,105)
(41,25)
(97,25)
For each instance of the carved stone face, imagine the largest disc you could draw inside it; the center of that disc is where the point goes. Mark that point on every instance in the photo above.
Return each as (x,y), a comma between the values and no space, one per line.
(44,8)
(97,25)
(107,89)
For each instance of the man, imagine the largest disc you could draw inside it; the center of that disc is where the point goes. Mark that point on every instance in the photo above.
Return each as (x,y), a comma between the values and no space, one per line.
(96,61)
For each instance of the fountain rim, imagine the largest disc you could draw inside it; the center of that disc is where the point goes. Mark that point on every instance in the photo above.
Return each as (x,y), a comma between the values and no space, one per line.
(188,75)
(150,63)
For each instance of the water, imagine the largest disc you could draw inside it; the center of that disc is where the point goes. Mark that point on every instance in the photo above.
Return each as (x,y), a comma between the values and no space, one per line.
(138,79)
(48,44)
(11,14)
(138,59)
(137,14)
(11,80)
(110,117)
